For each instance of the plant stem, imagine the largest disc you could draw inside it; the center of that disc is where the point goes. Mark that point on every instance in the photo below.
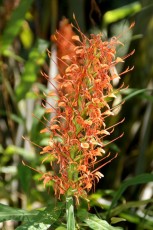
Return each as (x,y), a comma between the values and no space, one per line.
(70,213)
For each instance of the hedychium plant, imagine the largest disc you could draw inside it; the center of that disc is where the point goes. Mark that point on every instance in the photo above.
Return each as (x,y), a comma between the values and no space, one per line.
(77,127)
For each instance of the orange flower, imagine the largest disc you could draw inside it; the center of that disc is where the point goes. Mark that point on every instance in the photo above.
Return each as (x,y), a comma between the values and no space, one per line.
(65,44)
(77,132)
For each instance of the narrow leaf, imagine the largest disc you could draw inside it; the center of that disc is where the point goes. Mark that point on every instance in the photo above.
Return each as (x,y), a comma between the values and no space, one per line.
(132,93)
(140,179)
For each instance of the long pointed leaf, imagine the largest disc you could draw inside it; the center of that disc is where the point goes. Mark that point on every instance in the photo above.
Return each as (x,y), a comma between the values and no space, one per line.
(140,179)
(43,219)
(9,213)
(94,222)
(132,93)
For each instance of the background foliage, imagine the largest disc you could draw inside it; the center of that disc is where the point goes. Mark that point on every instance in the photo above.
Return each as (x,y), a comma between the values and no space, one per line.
(25,34)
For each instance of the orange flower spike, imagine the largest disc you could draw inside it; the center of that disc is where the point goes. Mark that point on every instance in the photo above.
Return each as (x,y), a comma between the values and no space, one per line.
(77,132)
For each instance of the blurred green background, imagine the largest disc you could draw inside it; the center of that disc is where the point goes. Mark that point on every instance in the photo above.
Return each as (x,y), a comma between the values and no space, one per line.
(26,27)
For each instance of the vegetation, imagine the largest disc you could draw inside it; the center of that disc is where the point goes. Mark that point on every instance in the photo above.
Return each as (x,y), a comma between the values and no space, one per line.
(30,57)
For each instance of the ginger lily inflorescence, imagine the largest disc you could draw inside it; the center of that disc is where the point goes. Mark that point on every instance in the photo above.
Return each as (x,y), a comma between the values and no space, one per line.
(78,127)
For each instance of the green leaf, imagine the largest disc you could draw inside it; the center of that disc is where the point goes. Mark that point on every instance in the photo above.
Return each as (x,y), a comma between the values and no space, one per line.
(128,205)
(9,213)
(61,228)
(140,179)
(94,222)
(115,220)
(132,93)
(122,12)
(34,226)
(142,93)
(43,219)
(14,24)
(141,223)
(97,224)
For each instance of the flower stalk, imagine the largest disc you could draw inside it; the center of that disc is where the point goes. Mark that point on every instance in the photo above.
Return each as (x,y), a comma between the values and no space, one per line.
(70,213)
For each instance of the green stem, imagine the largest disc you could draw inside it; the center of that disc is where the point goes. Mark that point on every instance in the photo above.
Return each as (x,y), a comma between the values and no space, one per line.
(70,213)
